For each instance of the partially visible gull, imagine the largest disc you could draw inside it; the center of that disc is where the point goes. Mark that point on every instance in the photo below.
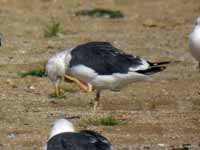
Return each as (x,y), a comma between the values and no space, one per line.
(99,65)
(0,41)
(194,41)
(63,137)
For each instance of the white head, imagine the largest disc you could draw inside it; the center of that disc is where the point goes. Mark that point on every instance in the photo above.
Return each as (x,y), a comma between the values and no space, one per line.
(60,126)
(57,66)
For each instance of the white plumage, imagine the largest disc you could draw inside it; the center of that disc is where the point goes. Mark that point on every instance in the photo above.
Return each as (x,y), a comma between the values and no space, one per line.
(61,126)
(194,40)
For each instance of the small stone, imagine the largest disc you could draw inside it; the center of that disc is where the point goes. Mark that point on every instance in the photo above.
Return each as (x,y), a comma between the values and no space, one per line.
(32,87)
(150,23)
(162,144)
(118,129)
(165,92)
(53,101)
(10,57)
(22,51)
(146,147)
(14,86)
(8,81)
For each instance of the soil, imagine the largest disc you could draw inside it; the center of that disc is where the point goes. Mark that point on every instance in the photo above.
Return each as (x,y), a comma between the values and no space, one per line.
(160,115)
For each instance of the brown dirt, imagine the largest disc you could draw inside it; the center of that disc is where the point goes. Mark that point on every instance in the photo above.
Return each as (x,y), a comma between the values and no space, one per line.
(159,115)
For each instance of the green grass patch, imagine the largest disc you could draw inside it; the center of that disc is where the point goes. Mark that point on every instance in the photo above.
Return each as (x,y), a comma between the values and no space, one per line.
(69,90)
(105,121)
(53,29)
(57,97)
(64,91)
(35,72)
(98,12)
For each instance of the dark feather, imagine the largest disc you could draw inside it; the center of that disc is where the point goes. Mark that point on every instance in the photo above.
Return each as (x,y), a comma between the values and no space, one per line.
(159,63)
(154,67)
(101,142)
(85,140)
(152,70)
(103,58)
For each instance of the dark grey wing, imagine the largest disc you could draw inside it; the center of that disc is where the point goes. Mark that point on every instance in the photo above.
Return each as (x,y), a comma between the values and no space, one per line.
(104,58)
(84,140)
(61,142)
(100,142)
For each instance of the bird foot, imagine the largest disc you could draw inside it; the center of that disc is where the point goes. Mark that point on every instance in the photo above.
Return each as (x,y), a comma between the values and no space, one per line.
(85,88)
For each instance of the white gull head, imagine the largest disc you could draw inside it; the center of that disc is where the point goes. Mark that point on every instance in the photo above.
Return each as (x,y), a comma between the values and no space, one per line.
(57,65)
(61,126)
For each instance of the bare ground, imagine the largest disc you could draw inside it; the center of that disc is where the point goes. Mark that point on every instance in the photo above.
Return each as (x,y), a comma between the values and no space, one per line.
(161,115)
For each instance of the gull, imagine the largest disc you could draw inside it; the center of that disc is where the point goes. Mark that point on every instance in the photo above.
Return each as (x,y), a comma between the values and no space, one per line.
(98,66)
(0,40)
(194,41)
(64,137)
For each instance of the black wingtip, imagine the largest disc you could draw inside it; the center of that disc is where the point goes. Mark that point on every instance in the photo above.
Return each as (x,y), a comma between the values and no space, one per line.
(152,70)
(159,63)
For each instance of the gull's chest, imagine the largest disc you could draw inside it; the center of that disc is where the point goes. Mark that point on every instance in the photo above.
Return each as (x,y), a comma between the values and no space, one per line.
(195,39)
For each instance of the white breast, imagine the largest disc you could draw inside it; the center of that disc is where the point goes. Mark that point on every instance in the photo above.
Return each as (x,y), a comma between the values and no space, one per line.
(194,43)
(117,81)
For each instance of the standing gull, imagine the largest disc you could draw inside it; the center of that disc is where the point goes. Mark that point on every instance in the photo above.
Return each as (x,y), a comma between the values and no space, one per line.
(99,65)
(194,41)
(63,137)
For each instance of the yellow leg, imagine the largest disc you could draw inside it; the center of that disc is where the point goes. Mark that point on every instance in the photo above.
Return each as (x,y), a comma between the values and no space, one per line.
(82,86)
(85,88)
(57,91)
(71,78)
(96,102)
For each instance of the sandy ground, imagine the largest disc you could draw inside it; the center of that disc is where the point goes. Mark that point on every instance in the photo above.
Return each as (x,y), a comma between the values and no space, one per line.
(162,115)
